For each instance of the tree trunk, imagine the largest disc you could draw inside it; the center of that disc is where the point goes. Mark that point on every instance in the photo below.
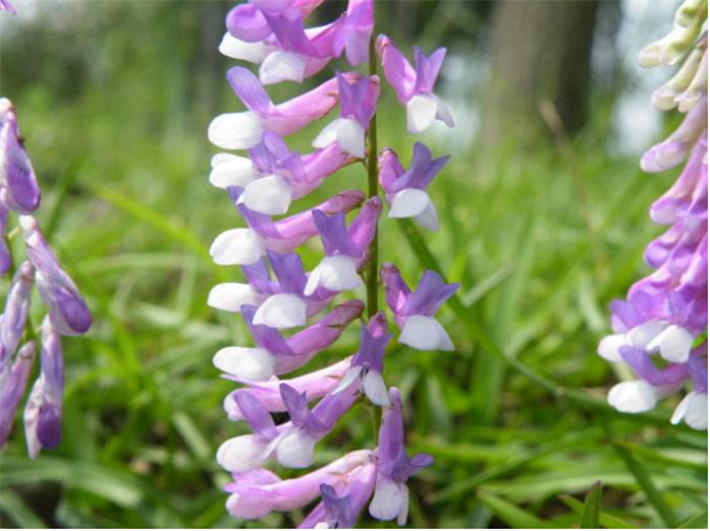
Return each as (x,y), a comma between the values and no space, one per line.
(541,70)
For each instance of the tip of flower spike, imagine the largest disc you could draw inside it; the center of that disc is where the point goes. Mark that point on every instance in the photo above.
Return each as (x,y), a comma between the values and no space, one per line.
(5,105)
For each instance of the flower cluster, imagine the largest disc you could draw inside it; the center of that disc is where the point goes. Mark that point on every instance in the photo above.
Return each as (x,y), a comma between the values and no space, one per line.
(67,312)
(661,327)
(279,294)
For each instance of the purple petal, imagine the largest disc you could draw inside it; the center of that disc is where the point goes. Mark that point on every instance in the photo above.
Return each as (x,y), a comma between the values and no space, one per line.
(398,72)
(334,235)
(396,290)
(255,414)
(246,22)
(289,270)
(248,88)
(363,228)
(390,168)
(373,341)
(427,69)
(14,384)
(265,336)
(644,368)
(17,177)
(431,292)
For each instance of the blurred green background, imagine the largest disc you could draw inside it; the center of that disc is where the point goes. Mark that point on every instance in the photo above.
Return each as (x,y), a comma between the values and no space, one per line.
(544,219)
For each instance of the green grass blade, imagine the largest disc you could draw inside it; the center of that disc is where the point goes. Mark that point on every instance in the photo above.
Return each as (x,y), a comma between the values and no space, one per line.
(15,508)
(605,519)
(646,484)
(511,514)
(699,521)
(590,514)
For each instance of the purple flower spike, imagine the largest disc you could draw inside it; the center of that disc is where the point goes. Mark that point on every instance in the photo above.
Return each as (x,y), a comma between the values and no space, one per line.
(7,6)
(358,99)
(43,411)
(13,381)
(345,248)
(69,313)
(246,246)
(257,493)
(367,364)
(20,191)
(394,467)
(413,312)
(414,86)
(314,384)
(276,355)
(406,190)
(17,306)
(243,130)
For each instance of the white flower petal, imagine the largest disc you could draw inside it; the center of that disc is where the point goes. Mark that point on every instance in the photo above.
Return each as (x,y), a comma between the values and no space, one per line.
(336,273)
(674,344)
(231,170)
(237,247)
(351,137)
(425,333)
(693,409)
(240,454)
(230,296)
(387,502)
(283,310)
(269,195)
(408,203)
(632,397)
(254,52)
(375,389)
(327,135)
(697,414)
(282,66)
(428,219)
(296,450)
(609,347)
(443,112)
(421,112)
(404,510)
(235,130)
(640,335)
(352,374)
(246,363)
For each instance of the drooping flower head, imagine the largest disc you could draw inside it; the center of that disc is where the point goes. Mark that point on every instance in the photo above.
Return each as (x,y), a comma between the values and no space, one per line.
(665,314)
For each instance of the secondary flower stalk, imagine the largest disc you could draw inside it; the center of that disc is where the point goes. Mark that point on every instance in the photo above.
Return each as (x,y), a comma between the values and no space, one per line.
(67,313)
(279,296)
(659,328)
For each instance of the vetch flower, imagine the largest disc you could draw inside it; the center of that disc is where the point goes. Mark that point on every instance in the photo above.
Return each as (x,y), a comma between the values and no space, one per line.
(413,311)
(19,190)
(244,130)
(69,313)
(256,493)
(13,381)
(406,190)
(17,307)
(414,86)
(394,466)
(367,364)
(276,355)
(345,248)
(246,246)
(44,406)
(358,100)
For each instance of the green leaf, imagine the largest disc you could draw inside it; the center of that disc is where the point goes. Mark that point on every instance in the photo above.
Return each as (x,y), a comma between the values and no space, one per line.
(646,484)
(15,508)
(605,519)
(590,514)
(511,514)
(699,521)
